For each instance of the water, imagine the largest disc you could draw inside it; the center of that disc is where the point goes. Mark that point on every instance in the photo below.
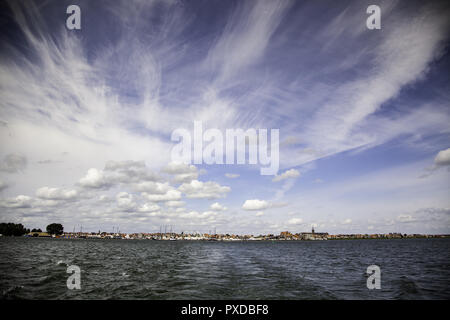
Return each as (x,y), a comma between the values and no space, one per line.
(33,268)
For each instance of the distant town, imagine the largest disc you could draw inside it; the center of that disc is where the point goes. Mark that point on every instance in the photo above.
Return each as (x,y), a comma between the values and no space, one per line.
(283,236)
(56,230)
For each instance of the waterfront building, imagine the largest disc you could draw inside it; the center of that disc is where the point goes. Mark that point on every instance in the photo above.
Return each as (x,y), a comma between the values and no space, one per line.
(314,235)
(39,234)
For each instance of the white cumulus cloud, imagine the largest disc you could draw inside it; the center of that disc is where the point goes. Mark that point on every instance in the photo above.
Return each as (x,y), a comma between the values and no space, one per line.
(205,190)
(291,173)
(217,207)
(443,158)
(295,221)
(255,204)
(94,179)
(56,193)
(171,195)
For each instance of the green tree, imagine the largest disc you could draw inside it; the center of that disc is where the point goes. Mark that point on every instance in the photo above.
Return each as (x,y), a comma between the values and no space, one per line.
(13,229)
(36,230)
(55,228)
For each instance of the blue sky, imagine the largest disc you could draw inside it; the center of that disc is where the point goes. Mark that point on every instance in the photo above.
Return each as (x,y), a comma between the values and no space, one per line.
(86,115)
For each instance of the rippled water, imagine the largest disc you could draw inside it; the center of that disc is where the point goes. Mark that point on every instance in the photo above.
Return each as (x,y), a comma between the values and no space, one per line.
(32,268)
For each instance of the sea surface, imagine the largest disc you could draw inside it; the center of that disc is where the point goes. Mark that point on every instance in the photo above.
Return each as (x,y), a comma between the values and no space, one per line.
(35,268)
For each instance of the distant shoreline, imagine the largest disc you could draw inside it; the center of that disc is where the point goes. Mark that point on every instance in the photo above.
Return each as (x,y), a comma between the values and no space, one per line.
(236,240)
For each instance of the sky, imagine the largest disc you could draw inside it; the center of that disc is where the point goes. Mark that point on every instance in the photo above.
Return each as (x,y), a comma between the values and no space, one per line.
(87,116)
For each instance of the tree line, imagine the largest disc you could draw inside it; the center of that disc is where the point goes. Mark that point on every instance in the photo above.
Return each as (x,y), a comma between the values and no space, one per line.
(17,229)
